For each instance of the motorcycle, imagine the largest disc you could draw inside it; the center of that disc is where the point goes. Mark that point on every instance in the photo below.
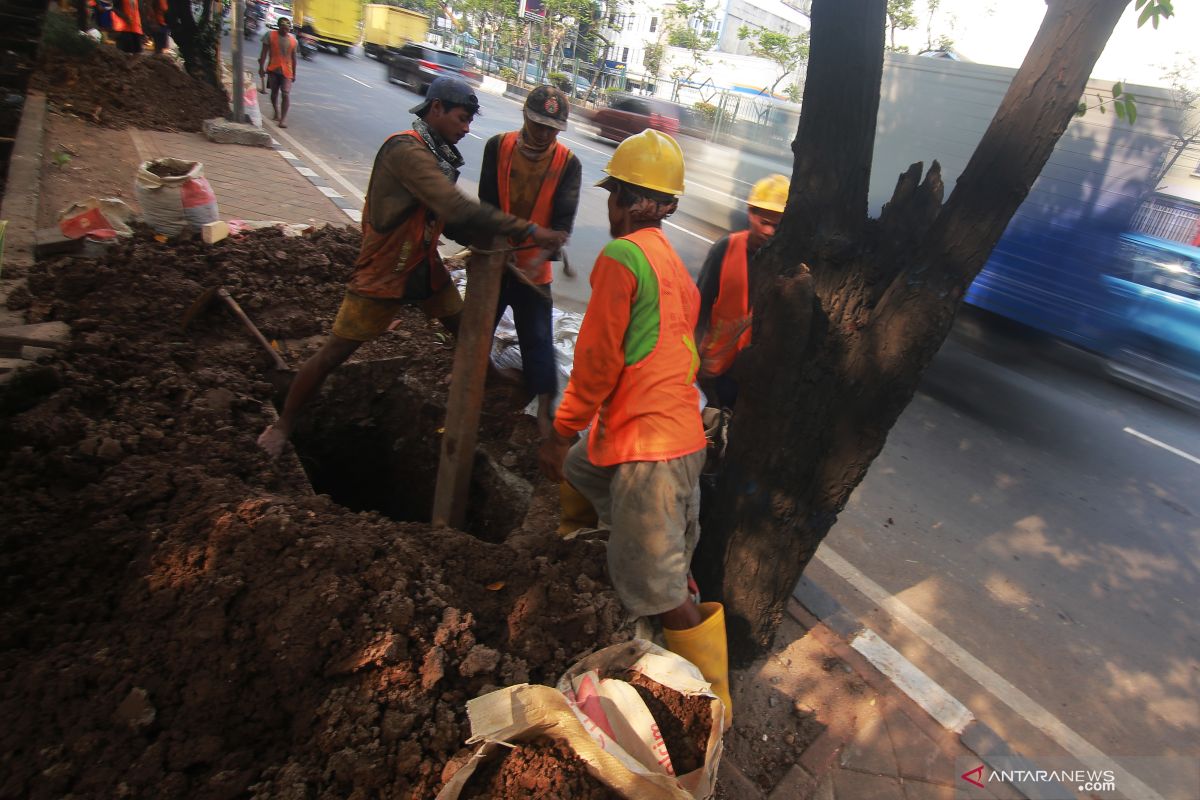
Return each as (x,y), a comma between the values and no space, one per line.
(308,45)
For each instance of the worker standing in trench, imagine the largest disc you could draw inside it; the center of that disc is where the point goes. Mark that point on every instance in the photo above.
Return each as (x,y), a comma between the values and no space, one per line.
(411,198)
(633,383)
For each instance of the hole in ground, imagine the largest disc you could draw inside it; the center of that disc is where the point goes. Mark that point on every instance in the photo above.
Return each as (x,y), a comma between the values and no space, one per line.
(371,442)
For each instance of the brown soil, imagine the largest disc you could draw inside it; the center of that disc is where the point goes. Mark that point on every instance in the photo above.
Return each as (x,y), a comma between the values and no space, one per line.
(117,90)
(80,161)
(166,171)
(182,617)
(540,770)
(685,722)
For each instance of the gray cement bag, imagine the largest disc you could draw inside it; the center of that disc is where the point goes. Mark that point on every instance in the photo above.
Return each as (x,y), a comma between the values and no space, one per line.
(174,195)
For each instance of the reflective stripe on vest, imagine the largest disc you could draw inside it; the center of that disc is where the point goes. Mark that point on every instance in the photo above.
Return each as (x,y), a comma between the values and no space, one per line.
(386,258)
(543,208)
(281,55)
(729,323)
(653,413)
(132,13)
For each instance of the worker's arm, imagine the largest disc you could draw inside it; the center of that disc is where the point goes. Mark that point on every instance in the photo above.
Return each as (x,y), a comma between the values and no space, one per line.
(566,197)
(600,346)
(416,168)
(295,47)
(262,54)
(489,179)
(709,284)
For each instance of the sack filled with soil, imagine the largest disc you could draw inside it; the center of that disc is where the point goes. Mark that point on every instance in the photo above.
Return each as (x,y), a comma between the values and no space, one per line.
(640,720)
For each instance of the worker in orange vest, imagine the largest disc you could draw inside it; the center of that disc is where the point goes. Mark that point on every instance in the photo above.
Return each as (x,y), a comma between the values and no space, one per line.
(725,315)
(279,56)
(127,25)
(531,174)
(633,385)
(411,199)
(161,32)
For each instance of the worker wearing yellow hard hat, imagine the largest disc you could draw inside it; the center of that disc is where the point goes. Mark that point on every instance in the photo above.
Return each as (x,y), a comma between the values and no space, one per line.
(633,383)
(725,314)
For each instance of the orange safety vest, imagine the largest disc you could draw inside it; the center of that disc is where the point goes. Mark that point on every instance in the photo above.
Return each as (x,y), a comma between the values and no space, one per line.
(134,15)
(160,13)
(653,413)
(281,55)
(729,324)
(386,258)
(543,207)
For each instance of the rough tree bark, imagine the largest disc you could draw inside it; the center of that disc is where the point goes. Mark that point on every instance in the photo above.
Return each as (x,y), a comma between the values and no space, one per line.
(197,38)
(849,311)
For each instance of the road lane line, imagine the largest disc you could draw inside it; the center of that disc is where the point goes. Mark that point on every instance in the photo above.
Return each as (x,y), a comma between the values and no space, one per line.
(474,135)
(704,239)
(356,80)
(315,159)
(1163,445)
(985,676)
(584,146)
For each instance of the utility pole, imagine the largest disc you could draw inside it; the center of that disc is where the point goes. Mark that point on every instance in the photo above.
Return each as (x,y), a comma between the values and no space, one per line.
(239,76)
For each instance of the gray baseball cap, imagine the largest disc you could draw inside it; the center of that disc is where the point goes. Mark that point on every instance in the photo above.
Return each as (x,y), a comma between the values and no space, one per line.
(448,90)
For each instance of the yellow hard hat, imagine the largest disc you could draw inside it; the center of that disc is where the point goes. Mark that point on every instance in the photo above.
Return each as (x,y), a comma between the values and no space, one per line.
(770,194)
(650,159)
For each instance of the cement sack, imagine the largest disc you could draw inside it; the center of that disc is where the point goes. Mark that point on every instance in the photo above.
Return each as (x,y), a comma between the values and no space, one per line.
(602,721)
(180,199)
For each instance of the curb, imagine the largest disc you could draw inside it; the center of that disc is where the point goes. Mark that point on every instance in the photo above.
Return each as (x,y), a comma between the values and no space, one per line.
(336,197)
(20,204)
(864,645)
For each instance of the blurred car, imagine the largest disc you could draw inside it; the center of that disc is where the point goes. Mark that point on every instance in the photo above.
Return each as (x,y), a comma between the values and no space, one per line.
(627,114)
(273,13)
(416,66)
(1154,296)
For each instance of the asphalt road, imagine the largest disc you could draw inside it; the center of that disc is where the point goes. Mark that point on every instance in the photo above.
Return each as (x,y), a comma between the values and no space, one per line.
(1030,536)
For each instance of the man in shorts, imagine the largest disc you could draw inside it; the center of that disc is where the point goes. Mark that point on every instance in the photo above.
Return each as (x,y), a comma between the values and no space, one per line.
(279,55)
(633,384)
(411,197)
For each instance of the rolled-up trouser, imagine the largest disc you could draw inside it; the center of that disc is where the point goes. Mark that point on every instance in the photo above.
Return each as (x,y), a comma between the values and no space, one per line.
(652,512)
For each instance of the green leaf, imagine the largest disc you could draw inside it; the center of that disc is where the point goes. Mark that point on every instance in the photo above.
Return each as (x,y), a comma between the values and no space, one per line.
(1117,89)
(1146,14)
(1081,109)
(1120,109)
(1131,110)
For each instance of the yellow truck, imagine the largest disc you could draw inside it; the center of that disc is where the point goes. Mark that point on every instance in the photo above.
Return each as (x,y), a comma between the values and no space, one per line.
(388,28)
(337,23)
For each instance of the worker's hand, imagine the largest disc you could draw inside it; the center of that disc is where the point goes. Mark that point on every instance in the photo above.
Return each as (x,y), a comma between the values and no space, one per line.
(552,454)
(548,239)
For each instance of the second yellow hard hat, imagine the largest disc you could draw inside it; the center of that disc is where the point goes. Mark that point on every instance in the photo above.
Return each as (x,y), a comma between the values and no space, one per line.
(770,194)
(650,159)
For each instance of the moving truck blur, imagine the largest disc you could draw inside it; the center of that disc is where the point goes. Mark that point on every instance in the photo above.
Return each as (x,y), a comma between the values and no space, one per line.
(338,23)
(388,28)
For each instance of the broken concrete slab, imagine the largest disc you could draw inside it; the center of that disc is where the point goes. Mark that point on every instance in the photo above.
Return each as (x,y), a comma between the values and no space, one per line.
(39,334)
(52,242)
(223,131)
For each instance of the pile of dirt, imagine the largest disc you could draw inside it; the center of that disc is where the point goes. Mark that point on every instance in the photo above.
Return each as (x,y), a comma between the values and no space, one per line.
(182,616)
(540,770)
(117,90)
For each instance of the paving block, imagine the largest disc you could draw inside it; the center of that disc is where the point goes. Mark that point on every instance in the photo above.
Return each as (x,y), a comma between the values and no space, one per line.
(920,790)
(917,756)
(849,784)
(51,242)
(213,232)
(40,334)
(797,783)
(223,131)
(12,364)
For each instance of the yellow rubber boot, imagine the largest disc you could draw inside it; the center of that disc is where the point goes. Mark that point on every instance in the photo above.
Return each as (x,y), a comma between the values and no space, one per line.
(704,646)
(577,512)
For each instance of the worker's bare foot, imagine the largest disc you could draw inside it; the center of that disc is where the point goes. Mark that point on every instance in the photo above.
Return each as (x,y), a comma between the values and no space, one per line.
(272,440)
(282,124)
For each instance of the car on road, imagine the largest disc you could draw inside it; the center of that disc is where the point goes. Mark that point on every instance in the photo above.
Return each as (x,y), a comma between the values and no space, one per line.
(416,66)
(627,114)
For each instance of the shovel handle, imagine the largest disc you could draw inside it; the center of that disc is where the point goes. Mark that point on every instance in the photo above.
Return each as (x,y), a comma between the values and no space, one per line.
(280,364)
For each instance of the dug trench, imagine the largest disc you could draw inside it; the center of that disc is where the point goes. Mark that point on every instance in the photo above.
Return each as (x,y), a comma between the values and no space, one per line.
(183,617)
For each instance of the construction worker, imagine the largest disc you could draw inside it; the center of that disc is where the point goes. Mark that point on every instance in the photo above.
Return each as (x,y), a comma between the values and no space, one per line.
(411,197)
(531,174)
(633,383)
(127,25)
(279,56)
(725,315)
(161,32)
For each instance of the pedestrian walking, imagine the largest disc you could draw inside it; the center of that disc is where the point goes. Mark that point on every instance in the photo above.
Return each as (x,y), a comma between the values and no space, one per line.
(411,199)
(127,25)
(633,385)
(277,61)
(161,32)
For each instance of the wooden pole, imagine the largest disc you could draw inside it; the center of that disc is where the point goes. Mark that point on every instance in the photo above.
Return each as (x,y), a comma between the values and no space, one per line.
(466,386)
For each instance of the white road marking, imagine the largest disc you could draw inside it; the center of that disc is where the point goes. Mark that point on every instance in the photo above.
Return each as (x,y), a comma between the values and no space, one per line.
(329,192)
(1163,445)
(1000,688)
(670,224)
(474,135)
(356,80)
(721,192)
(313,158)
(581,144)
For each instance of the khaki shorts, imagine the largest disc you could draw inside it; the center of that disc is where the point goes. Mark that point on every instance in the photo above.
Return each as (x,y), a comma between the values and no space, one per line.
(652,512)
(363,319)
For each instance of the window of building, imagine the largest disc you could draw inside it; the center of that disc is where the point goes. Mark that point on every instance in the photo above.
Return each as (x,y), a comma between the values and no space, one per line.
(653,24)
(624,53)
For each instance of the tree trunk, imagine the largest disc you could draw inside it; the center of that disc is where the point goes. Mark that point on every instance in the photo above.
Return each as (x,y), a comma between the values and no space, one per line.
(197,39)
(849,311)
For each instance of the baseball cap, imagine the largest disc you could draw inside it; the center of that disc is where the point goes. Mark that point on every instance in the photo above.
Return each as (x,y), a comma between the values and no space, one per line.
(448,90)
(548,106)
